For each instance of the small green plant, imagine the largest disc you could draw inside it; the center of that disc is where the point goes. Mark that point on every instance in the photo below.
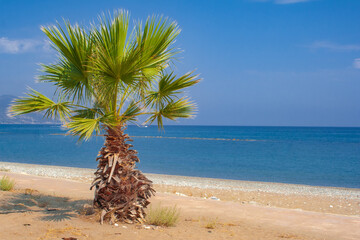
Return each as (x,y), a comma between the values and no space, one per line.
(6,184)
(163,216)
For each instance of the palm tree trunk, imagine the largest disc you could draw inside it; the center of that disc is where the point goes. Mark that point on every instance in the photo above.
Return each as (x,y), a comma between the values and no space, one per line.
(121,191)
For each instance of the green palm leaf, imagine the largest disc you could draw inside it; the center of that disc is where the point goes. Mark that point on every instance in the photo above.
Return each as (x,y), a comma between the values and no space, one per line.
(71,73)
(131,113)
(85,127)
(90,113)
(168,87)
(36,102)
(155,41)
(182,108)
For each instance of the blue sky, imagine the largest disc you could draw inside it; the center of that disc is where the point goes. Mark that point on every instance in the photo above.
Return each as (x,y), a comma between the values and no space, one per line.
(263,62)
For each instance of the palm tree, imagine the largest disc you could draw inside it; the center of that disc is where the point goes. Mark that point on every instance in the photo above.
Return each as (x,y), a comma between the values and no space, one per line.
(106,77)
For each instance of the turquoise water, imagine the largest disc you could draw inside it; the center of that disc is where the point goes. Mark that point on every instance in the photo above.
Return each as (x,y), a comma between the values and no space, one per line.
(302,155)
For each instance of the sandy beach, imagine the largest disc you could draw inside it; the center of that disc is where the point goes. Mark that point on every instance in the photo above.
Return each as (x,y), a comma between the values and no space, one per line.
(47,203)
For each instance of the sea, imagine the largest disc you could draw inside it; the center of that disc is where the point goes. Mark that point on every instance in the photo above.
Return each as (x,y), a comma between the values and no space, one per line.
(319,156)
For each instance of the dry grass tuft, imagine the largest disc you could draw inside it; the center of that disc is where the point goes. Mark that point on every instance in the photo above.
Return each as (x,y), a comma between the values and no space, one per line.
(6,184)
(163,216)
(211,223)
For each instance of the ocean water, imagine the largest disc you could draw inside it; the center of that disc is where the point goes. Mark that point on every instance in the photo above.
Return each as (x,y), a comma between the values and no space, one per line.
(318,156)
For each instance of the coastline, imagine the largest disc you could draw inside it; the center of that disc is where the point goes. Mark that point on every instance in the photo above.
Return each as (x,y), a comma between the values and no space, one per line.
(344,201)
(48,199)
(86,175)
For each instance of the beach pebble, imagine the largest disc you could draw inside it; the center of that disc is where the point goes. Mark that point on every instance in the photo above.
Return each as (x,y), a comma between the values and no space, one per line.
(214,198)
(331,206)
(116,225)
(124,226)
(180,194)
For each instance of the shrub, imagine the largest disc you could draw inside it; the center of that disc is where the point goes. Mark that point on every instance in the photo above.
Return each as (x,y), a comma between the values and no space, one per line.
(6,184)
(163,216)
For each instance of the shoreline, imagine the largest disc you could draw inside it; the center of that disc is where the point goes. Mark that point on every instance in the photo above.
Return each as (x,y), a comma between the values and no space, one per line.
(43,208)
(86,175)
(326,200)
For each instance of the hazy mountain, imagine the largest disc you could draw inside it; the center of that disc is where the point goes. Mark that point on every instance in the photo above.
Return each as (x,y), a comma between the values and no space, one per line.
(31,118)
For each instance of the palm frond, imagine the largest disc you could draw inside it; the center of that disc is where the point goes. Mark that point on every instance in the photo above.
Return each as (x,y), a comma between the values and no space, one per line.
(84,128)
(182,108)
(36,102)
(155,41)
(112,47)
(131,113)
(168,87)
(90,113)
(71,73)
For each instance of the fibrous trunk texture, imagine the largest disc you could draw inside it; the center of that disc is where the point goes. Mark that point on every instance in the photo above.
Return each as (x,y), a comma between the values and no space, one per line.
(121,191)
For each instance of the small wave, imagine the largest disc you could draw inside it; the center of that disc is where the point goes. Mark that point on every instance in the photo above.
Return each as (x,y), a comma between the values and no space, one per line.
(187,138)
(196,138)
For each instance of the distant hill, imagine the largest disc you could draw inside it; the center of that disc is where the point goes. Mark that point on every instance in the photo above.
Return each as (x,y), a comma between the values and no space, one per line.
(31,118)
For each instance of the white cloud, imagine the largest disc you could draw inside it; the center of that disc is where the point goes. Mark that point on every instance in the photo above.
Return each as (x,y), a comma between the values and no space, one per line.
(283,1)
(335,46)
(20,45)
(356,63)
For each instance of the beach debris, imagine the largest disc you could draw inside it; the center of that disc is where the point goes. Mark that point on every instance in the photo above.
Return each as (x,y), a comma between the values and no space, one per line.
(147,227)
(144,227)
(52,209)
(27,224)
(116,225)
(124,226)
(69,238)
(331,206)
(214,198)
(180,194)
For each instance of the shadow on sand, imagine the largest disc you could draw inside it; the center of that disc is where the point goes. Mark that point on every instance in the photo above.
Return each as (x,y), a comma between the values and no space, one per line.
(52,208)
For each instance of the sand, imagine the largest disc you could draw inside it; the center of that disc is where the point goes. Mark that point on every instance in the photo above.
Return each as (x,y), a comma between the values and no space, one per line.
(236,209)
